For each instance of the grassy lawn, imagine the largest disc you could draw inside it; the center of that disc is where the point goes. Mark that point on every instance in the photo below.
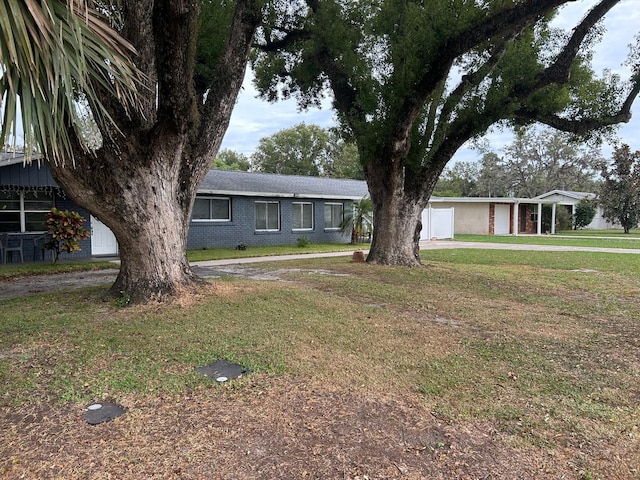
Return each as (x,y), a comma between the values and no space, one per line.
(265,251)
(543,347)
(594,238)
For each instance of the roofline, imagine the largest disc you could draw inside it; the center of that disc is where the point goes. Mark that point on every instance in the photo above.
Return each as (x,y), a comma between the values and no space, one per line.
(19,157)
(277,195)
(476,200)
(567,193)
(509,200)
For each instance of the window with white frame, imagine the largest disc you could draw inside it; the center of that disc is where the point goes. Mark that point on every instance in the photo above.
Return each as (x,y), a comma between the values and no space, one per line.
(267,216)
(302,216)
(217,209)
(24,211)
(534,213)
(333,215)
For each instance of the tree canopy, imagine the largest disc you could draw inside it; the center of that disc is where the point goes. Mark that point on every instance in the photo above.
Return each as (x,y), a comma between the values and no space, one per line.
(307,150)
(231,160)
(536,162)
(412,81)
(620,192)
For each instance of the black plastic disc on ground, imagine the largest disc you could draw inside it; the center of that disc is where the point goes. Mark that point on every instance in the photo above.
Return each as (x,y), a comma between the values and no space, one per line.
(102,412)
(223,370)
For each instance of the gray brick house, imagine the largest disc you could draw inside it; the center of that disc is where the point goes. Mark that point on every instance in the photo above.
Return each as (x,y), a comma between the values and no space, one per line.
(267,209)
(230,208)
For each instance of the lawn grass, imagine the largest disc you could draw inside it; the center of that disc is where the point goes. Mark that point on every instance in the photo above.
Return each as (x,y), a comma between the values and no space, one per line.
(600,240)
(14,270)
(542,345)
(269,250)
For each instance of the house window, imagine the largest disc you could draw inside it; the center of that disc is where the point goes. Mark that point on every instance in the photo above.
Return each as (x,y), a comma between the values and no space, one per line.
(302,216)
(333,215)
(534,213)
(212,208)
(268,216)
(24,211)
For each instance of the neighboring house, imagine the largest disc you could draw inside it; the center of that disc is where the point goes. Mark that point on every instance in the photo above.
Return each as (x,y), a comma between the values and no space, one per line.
(569,200)
(512,216)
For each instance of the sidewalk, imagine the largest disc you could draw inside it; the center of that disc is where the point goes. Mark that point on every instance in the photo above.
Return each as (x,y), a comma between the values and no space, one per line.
(439,244)
(424,245)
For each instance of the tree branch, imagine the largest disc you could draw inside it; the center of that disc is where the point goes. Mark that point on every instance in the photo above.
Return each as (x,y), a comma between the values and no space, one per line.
(559,71)
(506,23)
(227,78)
(175,24)
(584,125)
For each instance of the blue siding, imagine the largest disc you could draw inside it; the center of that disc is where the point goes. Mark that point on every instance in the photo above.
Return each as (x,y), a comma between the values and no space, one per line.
(241,228)
(32,175)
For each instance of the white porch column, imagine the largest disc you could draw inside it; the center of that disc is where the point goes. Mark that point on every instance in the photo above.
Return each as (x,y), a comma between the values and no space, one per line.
(539,219)
(516,212)
(553,219)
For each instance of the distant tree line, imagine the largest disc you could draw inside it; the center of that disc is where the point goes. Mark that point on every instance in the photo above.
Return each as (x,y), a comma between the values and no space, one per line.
(535,163)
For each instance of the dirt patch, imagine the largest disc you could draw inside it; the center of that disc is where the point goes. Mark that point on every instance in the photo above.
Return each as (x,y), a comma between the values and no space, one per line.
(32,285)
(267,428)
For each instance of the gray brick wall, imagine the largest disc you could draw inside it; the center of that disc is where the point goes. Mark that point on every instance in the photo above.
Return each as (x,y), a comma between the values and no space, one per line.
(241,228)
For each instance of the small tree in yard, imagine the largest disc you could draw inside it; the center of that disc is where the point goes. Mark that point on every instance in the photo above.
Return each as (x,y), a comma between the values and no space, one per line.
(65,232)
(355,222)
(620,192)
(585,211)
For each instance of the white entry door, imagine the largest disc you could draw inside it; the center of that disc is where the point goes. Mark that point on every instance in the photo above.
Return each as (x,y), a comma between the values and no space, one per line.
(501,219)
(103,241)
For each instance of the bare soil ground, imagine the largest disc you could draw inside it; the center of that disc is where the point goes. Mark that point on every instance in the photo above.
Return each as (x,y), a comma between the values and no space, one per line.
(271,428)
(31,285)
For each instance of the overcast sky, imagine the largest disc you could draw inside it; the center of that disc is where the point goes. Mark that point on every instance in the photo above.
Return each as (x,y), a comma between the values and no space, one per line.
(253,119)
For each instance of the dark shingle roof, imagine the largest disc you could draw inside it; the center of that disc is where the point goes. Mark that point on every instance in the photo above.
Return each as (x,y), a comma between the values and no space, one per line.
(223,182)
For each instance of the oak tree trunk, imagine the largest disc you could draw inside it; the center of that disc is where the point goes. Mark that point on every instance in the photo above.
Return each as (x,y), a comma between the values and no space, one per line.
(142,181)
(147,207)
(397,219)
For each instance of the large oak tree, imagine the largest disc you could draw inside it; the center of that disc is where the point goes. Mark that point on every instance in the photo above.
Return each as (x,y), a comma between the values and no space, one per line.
(412,81)
(142,180)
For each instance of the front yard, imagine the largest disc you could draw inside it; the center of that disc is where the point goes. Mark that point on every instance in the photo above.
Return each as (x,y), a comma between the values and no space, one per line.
(484,364)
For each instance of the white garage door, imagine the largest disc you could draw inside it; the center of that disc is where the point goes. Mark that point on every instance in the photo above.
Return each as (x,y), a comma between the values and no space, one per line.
(501,220)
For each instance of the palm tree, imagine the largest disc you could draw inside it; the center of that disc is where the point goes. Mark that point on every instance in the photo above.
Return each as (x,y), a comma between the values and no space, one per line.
(359,220)
(54,53)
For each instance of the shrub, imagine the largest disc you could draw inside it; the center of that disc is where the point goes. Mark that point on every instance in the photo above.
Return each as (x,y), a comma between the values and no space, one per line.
(303,242)
(65,232)
(585,211)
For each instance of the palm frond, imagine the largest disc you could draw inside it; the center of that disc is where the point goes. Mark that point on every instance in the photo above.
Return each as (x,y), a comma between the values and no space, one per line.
(51,52)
